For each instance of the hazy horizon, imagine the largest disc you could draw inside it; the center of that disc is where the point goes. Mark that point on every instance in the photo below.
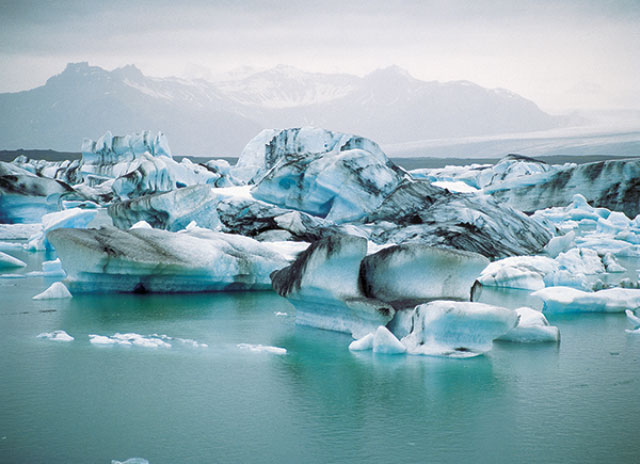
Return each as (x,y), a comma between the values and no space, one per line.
(564,56)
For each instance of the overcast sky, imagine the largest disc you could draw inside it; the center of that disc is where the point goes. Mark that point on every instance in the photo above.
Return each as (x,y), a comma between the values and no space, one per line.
(561,54)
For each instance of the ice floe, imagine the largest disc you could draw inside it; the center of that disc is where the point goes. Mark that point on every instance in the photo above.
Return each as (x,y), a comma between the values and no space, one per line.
(57,335)
(262,348)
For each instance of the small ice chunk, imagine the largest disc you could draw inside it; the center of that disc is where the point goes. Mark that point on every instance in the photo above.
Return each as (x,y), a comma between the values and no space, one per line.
(9,262)
(362,344)
(56,291)
(131,461)
(262,348)
(280,314)
(57,335)
(387,343)
(104,340)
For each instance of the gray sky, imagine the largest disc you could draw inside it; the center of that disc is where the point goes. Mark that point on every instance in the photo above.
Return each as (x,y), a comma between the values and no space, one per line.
(562,54)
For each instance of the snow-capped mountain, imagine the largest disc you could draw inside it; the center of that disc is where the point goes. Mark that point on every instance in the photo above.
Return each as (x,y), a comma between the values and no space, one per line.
(217,118)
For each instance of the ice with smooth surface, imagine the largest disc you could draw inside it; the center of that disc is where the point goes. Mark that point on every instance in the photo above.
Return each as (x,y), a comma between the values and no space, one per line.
(457,329)
(57,291)
(57,335)
(568,300)
(532,327)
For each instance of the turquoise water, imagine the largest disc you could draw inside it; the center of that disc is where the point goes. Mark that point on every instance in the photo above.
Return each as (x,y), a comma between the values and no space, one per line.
(80,403)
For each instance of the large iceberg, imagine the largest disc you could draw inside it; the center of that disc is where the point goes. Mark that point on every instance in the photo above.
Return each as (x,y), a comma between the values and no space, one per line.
(411,273)
(150,260)
(324,286)
(338,176)
(25,198)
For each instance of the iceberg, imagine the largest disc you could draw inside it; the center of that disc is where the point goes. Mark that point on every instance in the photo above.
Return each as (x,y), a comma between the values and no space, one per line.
(9,262)
(532,327)
(329,174)
(151,260)
(608,184)
(457,329)
(26,198)
(419,212)
(129,339)
(323,284)
(70,218)
(411,273)
(567,300)
(57,291)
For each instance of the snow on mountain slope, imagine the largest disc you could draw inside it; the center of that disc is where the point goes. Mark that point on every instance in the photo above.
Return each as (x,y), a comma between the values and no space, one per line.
(217,118)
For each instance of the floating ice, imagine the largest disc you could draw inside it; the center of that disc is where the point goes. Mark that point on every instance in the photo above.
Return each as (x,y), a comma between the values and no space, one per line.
(455,186)
(387,343)
(323,173)
(323,284)
(57,335)
(262,348)
(633,319)
(457,329)
(565,299)
(18,231)
(362,344)
(151,260)
(9,262)
(129,339)
(611,265)
(532,327)
(71,218)
(131,461)
(56,291)
(411,273)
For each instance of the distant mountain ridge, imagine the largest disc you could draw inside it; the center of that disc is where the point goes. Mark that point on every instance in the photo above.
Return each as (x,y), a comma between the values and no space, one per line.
(219,118)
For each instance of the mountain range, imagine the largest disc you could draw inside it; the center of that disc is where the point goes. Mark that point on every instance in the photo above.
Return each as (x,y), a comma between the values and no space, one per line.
(218,118)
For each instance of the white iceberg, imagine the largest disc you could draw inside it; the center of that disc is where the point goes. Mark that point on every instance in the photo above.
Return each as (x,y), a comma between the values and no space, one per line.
(18,231)
(324,286)
(129,339)
(381,341)
(151,260)
(57,291)
(565,300)
(70,218)
(532,327)
(412,273)
(457,329)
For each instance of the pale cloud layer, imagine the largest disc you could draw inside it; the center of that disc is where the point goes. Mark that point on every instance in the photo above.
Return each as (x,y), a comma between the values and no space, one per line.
(561,54)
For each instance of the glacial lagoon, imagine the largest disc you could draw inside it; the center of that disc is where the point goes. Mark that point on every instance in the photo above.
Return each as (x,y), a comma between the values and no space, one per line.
(237,400)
